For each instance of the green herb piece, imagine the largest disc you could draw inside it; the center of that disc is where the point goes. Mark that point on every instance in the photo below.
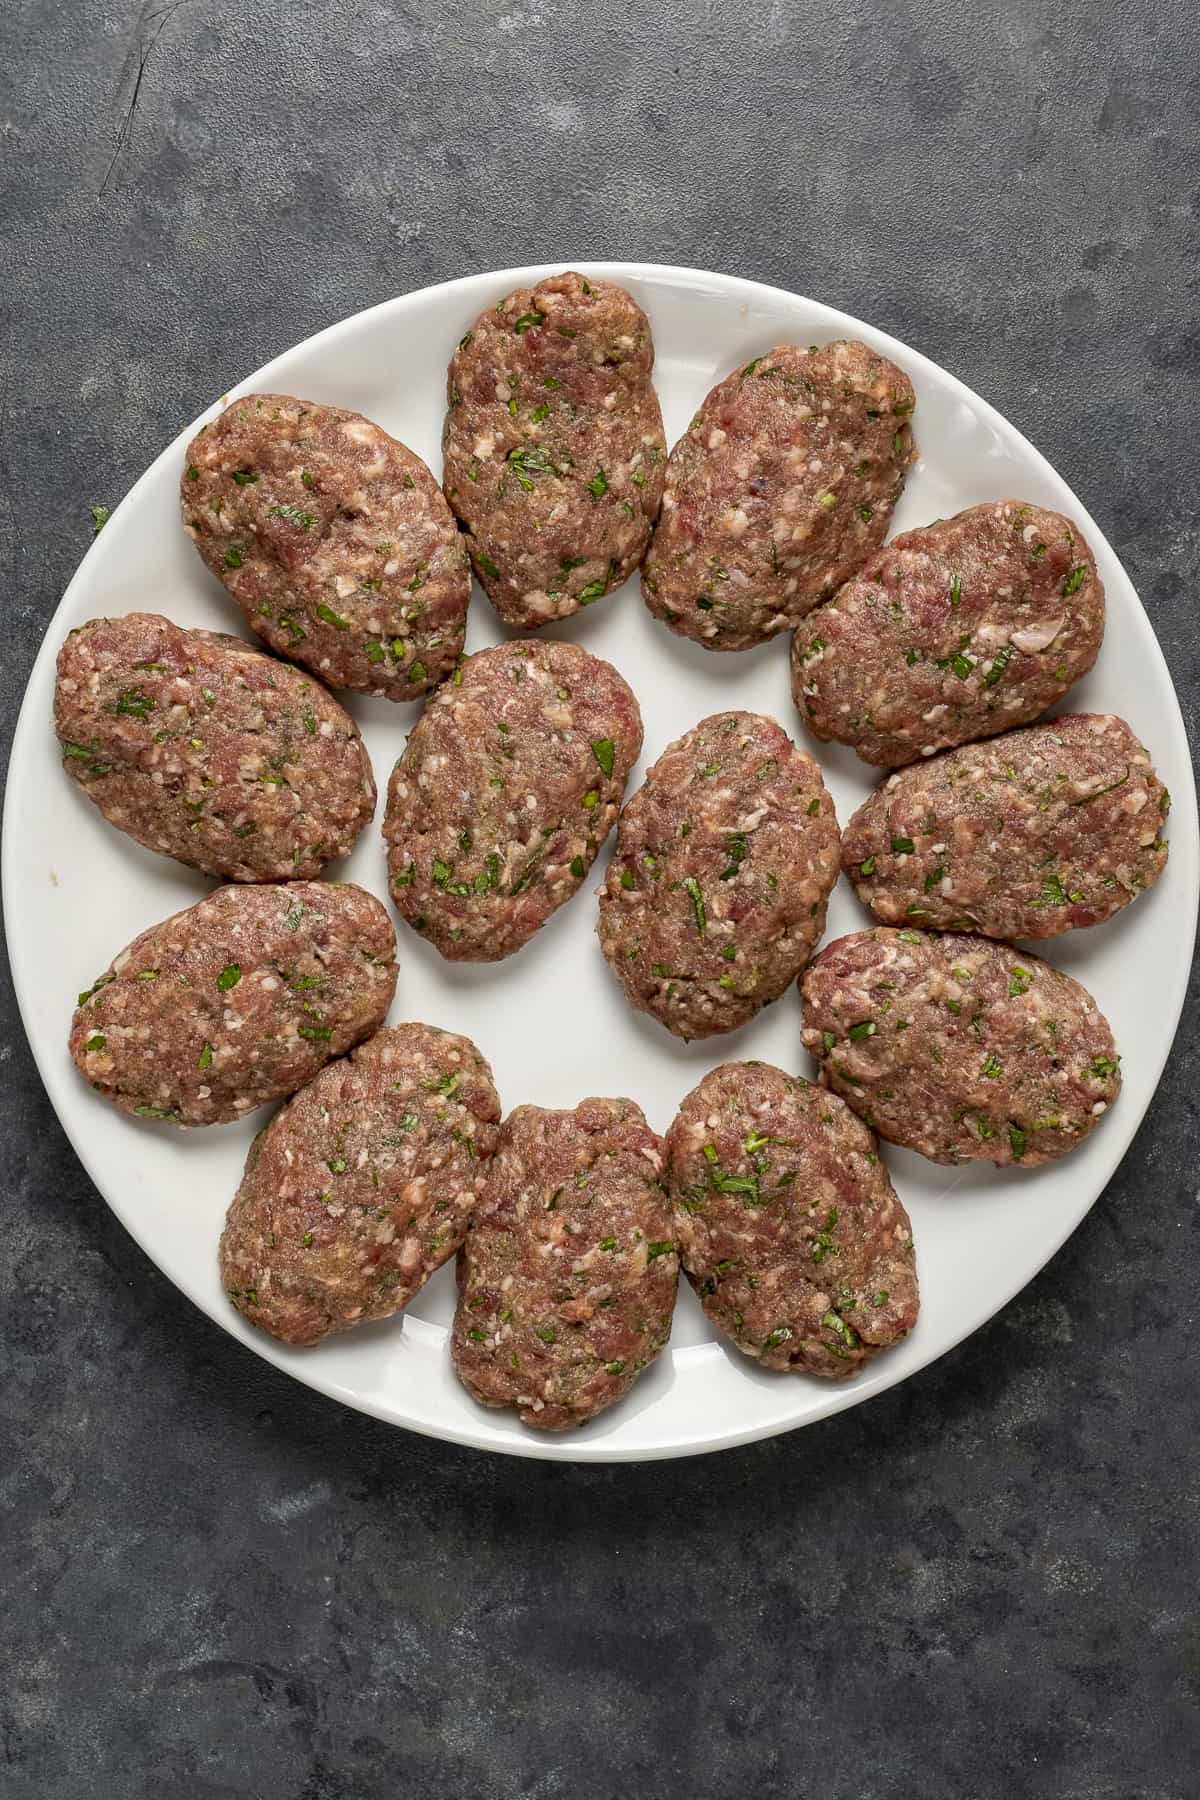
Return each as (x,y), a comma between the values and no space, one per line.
(193,473)
(376,653)
(902,846)
(244,477)
(205,1058)
(955,590)
(100,518)
(96,1042)
(962,665)
(528,462)
(598,485)
(487,565)
(692,886)
(614,1368)
(991,1066)
(527,321)
(233,556)
(656,1250)
(134,704)
(577,868)
(998,665)
(547,1334)
(735,845)
(229,977)
(1016,1142)
(418,672)
(861,1032)
(833,1322)
(602,750)
(1102,1067)
(331,618)
(1075,580)
(1019,982)
(591,800)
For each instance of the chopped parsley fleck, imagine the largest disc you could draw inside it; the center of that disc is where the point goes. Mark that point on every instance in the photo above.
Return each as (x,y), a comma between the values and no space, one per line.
(229,977)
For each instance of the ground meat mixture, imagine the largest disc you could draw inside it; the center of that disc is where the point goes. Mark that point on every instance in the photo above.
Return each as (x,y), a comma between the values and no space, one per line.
(957,631)
(724,862)
(508,786)
(959,1047)
(781,486)
(333,539)
(361,1186)
(567,1278)
(1023,836)
(788,1226)
(239,1000)
(554,446)
(198,746)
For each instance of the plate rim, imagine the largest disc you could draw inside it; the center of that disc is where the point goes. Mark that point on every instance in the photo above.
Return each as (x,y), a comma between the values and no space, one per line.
(1184,840)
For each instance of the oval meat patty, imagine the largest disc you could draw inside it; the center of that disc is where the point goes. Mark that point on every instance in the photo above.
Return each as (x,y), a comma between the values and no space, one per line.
(1022,836)
(567,1278)
(507,788)
(724,863)
(200,747)
(334,541)
(781,486)
(788,1226)
(554,446)
(238,1000)
(959,1047)
(956,631)
(361,1186)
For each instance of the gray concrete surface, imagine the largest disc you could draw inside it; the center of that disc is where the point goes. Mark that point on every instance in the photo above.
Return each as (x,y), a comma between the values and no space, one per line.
(217,1584)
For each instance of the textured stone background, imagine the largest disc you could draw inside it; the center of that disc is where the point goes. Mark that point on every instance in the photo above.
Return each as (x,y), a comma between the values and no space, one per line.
(216,1583)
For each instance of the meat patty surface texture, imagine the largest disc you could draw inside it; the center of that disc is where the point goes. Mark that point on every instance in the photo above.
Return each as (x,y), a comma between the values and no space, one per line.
(567,1278)
(508,786)
(361,1186)
(238,1000)
(334,541)
(782,485)
(554,446)
(200,747)
(724,863)
(959,630)
(787,1224)
(1022,836)
(959,1047)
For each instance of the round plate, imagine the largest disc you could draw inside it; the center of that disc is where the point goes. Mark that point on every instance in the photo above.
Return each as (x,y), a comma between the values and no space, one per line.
(551,1019)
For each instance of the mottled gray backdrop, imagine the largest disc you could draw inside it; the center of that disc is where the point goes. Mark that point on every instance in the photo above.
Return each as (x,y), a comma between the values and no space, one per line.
(216,1583)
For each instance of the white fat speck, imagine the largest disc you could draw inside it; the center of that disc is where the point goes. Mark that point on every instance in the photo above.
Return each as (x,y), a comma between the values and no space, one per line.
(343,585)
(736,523)
(1037,637)
(716,438)
(268,984)
(360,431)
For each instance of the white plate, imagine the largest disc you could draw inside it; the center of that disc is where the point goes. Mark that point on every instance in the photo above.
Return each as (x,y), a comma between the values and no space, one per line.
(551,1019)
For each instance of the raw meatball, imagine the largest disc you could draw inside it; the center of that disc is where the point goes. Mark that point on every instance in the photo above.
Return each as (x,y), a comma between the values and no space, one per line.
(361,1186)
(1024,836)
(788,1226)
(554,446)
(238,1000)
(567,1278)
(198,746)
(334,540)
(508,787)
(782,485)
(959,1047)
(958,631)
(725,860)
